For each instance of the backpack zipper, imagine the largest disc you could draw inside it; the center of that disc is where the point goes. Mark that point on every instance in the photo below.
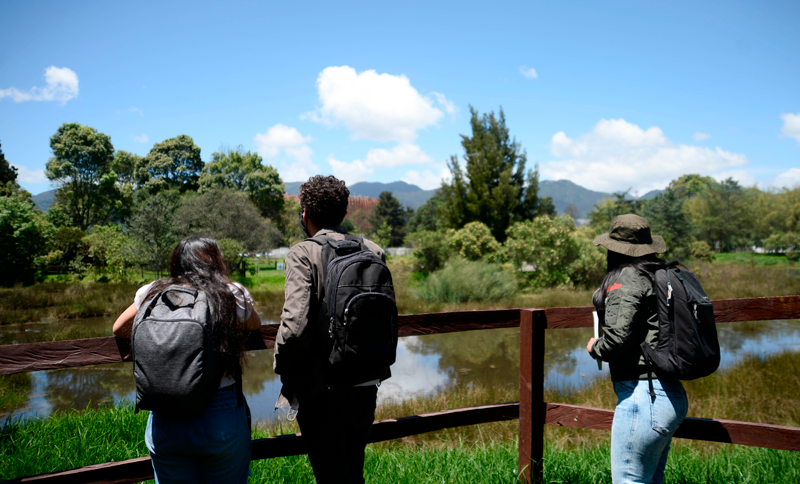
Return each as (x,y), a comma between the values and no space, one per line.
(332,302)
(363,294)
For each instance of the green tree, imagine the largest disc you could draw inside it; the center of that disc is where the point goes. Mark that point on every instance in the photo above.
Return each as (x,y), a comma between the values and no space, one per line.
(495,188)
(68,242)
(430,249)
(289,223)
(243,171)
(668,219)
(8,176)
(173,163)
(24,235)
(232,253)
(110,248)
(600,218)
(81,168)
(152,225)
(383,236)
(124,166)
(226,214)
(428,216)
(389,211)
(723,215)
(689,186)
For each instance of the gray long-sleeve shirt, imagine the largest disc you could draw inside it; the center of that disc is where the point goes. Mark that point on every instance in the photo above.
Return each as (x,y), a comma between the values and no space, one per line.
(630,317)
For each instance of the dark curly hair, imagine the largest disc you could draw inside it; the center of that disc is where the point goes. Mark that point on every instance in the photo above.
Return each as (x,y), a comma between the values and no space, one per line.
(197,262)
(324,198)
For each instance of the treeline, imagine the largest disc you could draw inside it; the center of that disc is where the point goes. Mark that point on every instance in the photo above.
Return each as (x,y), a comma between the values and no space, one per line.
(697,214)
(115,211)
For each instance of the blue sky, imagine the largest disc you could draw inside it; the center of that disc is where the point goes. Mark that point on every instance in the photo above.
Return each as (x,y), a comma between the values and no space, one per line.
(611,95)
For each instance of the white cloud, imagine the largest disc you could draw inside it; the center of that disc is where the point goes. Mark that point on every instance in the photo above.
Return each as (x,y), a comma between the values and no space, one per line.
(529,73)
(698,136)
(402,154)
(360,170)
(62,85)
(142,138)
(788,179)
(30,176)
(350,172)
(428,179)
(135,110)
(379,107)
(791,126)
(449,107)
(287,139)
(745,178)
(617,155)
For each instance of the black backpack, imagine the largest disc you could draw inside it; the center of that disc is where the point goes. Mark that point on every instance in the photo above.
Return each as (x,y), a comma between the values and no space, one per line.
(358,315)
(175,364)
(687,346)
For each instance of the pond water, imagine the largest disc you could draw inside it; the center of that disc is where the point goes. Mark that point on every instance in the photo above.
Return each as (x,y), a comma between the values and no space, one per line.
(425,364)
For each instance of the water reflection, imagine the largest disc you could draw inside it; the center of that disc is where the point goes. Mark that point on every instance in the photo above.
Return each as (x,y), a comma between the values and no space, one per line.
(425,364)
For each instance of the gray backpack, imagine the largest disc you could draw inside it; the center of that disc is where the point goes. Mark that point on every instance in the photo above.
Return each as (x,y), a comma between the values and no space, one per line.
(175,364)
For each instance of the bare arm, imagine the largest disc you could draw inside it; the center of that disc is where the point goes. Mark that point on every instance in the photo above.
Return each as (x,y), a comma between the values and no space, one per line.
(124,323)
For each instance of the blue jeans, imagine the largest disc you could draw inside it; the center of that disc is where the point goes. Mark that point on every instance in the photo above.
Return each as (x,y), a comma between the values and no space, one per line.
(210,447)
(642,429)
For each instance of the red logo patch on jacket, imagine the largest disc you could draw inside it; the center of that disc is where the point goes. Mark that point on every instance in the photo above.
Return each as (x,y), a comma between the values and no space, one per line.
(613,287)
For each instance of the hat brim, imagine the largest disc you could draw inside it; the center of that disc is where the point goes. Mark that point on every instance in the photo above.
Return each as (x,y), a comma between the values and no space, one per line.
(633,250)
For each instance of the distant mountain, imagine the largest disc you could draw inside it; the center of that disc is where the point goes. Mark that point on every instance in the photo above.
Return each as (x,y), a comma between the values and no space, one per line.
(44,199)
(651,194)
(408,194)
(564,193)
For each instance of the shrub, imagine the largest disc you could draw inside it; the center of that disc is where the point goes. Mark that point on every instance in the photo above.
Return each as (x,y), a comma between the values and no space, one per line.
(550,245)
(589,268)
(463,280)
(474,242)
(430,250)
(701,251)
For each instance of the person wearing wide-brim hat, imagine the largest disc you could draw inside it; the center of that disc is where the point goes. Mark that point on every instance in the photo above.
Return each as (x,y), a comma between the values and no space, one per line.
(626,305)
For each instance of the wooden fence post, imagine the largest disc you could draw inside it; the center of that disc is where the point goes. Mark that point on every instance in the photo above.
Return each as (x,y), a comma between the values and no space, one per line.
(531,394)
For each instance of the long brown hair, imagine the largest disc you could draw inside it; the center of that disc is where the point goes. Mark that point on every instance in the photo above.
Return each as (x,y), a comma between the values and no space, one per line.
(197,262)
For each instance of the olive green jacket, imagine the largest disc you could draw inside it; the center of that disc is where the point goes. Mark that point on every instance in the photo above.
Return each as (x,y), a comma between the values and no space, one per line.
(300,359)
(631,316)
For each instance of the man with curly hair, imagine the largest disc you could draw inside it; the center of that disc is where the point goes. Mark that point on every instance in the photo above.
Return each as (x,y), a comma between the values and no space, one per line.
(335,421)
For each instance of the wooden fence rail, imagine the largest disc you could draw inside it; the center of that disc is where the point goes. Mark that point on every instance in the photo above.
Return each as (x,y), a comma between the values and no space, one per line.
(531,410)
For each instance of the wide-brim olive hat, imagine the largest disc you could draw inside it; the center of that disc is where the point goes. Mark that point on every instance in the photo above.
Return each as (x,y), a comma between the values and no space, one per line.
(630,235)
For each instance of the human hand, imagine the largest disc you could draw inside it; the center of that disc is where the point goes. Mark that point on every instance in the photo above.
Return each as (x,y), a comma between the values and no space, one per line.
(589,346)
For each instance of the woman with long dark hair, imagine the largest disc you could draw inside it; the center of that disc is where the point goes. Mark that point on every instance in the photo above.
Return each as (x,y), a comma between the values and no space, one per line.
(213,445)
(626,305)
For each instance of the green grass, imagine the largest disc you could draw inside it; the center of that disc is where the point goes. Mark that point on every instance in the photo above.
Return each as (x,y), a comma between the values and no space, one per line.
(64,301)
(751,258)
(72,440)
(756,390)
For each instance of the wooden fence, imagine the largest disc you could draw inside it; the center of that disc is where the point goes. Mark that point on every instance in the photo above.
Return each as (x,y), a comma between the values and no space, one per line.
(531,410)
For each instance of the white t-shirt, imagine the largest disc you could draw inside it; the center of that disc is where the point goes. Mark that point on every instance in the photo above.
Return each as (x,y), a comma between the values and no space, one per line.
(244,308)
(244,301)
